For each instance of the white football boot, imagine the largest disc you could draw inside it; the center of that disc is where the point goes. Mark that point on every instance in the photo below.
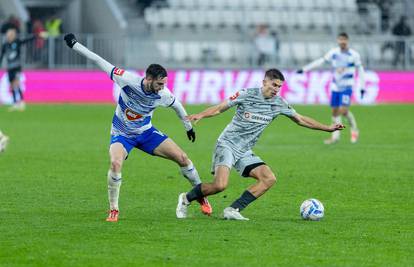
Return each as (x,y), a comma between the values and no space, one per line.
(4,140)
(230,213)
(182,206)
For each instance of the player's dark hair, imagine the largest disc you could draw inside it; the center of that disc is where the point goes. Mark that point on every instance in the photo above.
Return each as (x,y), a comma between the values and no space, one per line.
(156,72)
(343,34)
(274,74)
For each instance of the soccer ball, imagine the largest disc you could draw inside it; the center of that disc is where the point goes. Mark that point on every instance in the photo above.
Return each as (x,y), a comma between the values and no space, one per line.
(312,209)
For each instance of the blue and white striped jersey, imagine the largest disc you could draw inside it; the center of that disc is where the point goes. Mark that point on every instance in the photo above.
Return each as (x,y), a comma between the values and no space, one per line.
(344,64)
(135,106)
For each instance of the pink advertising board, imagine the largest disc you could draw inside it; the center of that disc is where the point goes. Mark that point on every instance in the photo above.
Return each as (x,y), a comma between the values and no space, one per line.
(205,86)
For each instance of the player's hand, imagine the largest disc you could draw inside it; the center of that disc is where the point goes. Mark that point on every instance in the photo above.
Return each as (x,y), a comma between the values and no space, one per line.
(299,71)
(70,39)
(44,34)
(362,92)
(194,118)
(191,135)
(336,127)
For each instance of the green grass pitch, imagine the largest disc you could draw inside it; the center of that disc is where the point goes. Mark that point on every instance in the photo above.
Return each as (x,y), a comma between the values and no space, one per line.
(53,197)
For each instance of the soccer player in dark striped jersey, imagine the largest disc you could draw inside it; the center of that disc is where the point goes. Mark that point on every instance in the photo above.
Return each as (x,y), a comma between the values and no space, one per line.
(132,127)
(11,49)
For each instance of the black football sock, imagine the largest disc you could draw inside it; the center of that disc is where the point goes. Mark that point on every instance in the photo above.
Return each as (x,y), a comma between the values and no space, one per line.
(245,199)
(20,93)
(14,96)
(195,193)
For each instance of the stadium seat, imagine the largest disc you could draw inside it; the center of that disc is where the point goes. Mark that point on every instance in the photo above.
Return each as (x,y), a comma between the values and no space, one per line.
(303,19)
(214,18)
(285,53)
(322,4)
(165,49)
(299,52)
(179,52)
(231,18)
(168,17)
(194,51)
(182,18)
(225,52)
(314,50)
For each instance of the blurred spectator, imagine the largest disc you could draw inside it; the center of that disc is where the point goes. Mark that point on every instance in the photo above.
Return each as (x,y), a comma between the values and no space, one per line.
(37,29)
(400,30)
(54,26)
(11,22)
(265,45)
(385,8)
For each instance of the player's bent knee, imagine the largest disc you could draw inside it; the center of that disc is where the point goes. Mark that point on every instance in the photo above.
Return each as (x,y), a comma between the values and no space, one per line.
(219,187)
(183,159)
(116,164)
(269,179)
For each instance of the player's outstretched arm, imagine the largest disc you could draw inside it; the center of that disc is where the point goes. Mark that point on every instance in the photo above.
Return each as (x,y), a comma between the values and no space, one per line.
(313,65)
(209,112)
(314,124)
(182,114)
(75,45)
(361,74)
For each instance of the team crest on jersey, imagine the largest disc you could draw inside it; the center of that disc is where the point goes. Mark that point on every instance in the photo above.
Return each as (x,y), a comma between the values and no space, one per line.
(233,97)
(118,71)
(132,115)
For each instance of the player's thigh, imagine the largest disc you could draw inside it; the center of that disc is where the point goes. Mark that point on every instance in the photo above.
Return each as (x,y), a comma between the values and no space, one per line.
(117,154)
(170,150)
(263,173)
(344,110)
(222,156)
(247,163)
(221,176)
(15,82)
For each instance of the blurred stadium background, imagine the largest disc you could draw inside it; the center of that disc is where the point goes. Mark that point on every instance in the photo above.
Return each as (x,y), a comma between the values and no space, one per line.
(216,33)
(211,40)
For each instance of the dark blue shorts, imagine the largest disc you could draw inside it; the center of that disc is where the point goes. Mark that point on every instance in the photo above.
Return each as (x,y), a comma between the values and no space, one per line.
(148,141)
(340,99)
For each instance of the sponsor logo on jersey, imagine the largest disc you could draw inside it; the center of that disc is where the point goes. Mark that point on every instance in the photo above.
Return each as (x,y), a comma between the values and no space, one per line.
(132,115)
(233,97)
(253,117)
(118,71)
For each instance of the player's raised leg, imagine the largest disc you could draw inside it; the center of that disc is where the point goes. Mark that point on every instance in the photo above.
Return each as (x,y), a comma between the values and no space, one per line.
(352,123)
(265,180)
(219,184)
(117,154)
(170,150)
(336,119)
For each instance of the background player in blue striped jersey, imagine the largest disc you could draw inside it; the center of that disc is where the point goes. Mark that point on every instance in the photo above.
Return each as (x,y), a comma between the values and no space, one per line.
(131,124)
(344,61)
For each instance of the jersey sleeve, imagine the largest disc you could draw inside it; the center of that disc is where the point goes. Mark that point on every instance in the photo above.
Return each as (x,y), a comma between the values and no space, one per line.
(167,98)
(287,109)
(237,98)
(123,77)
(328,56)
(357,60)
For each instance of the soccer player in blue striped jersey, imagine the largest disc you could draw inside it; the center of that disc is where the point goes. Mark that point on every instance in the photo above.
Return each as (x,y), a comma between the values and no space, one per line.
(344,61)
(132,127)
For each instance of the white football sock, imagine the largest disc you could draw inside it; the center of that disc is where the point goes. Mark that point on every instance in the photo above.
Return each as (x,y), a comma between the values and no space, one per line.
(352,122)
(190,172)
(336,134)
(114,184)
